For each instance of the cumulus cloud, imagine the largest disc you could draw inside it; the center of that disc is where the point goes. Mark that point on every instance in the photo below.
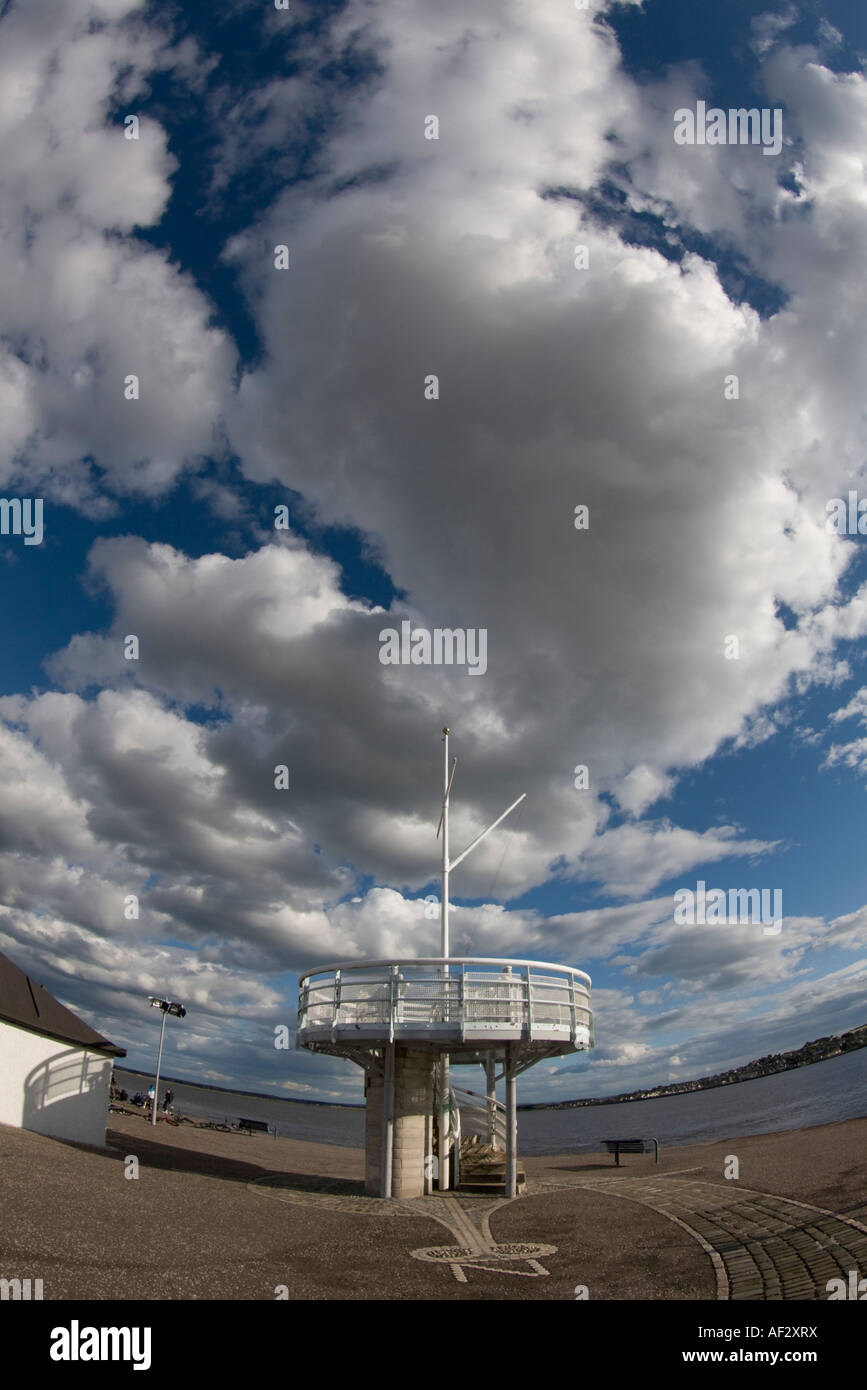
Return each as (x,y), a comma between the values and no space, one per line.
(458,260)
(85,304)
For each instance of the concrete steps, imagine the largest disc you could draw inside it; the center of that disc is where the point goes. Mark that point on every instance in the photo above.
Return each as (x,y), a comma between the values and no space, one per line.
(483,1170)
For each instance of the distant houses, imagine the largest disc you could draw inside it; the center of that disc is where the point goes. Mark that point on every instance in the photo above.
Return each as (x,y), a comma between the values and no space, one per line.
(55,1070)
(819,1050)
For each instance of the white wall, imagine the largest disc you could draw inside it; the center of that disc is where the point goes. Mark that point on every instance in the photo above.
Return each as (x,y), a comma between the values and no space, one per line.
(51,1087)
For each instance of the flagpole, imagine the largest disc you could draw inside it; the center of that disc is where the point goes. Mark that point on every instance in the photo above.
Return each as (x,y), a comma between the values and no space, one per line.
(444,951)
(443,1099)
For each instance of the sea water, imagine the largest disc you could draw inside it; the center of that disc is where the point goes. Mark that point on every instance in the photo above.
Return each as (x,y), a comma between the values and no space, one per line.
(814,1095)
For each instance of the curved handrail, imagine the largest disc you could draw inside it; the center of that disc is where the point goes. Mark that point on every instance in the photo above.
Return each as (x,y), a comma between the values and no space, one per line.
(435,998)
(443,960)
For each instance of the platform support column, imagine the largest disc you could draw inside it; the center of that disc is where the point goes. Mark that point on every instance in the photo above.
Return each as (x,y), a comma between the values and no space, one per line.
(491,1094)
(511,1124)
(373,1097)
(386,1151)
(443,1123)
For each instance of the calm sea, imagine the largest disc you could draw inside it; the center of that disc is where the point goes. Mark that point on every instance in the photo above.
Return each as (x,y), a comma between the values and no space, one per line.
(820,1094)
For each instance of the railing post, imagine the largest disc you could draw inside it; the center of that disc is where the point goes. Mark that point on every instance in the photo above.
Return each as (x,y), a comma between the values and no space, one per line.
(510,1002)
(302,1008)
(399,996)
(392,980)
(573,1007)
(336,1010)
(529,1003)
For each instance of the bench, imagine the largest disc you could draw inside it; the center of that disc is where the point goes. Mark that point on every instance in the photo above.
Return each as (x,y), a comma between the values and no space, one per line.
(631,1146)
(249,1125)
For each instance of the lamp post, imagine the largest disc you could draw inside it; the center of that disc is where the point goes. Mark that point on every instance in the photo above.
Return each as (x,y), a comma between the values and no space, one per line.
(177,1011)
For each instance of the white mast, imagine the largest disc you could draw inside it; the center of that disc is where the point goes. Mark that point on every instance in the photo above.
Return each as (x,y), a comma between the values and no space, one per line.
(443,1125)
(447,866)
(444,826)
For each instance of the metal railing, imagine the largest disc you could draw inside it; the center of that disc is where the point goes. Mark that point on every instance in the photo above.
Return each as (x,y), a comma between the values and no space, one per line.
(482,1116)
(462,998)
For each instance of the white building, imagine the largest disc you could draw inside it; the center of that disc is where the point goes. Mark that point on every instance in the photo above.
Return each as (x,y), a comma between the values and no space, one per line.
(55,1070)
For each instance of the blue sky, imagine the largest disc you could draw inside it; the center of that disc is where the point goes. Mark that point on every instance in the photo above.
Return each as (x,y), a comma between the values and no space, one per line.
(304,388)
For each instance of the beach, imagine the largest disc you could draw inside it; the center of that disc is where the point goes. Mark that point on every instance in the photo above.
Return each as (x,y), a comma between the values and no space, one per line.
(227,1216)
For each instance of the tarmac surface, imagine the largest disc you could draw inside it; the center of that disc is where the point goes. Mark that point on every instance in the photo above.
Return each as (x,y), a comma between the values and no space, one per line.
(226,1216)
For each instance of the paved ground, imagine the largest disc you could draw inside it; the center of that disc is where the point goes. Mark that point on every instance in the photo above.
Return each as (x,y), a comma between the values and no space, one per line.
(227,1216)
(761,1247)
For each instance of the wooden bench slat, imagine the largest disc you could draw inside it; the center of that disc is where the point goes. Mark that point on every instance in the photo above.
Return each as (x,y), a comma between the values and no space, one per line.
(631,1146)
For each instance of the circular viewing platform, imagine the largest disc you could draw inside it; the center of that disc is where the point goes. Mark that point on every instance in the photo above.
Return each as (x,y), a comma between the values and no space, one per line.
(462,1005)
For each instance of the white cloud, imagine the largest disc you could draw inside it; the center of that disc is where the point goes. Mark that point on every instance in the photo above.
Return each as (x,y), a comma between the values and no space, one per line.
(641,787)
(454,261)
(85,305)
(767,28)
(856,708)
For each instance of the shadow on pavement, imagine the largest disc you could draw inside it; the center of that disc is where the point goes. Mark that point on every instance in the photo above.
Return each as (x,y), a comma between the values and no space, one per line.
(161,1155)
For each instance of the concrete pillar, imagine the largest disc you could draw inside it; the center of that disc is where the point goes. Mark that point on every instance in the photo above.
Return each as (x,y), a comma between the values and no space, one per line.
(413,1106)
(411,1127)
(372,1132)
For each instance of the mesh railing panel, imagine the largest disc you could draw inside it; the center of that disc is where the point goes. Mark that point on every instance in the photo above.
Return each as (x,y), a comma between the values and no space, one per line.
(476,998)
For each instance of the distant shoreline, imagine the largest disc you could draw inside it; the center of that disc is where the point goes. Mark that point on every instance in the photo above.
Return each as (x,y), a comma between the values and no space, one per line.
(235,1091)
(820,1050)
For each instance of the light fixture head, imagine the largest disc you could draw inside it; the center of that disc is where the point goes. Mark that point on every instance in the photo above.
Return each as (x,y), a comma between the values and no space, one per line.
(167,1006)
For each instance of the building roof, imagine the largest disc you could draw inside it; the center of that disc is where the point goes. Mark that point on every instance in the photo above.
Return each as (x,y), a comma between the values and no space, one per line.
(29,1005)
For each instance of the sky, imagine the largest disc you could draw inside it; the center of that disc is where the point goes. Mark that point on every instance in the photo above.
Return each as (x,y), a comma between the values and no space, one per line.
(505,292)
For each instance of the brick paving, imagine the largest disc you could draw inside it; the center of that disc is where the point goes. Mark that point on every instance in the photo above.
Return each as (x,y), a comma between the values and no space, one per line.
(763,1247)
